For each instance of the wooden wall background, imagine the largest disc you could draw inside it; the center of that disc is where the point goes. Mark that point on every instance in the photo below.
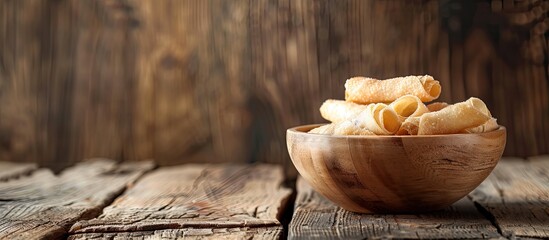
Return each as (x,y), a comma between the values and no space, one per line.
(220,81)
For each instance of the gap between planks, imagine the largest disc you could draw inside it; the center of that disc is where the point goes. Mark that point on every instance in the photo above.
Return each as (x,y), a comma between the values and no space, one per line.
(181,200)
(510,203)
(44,206)
(516,197)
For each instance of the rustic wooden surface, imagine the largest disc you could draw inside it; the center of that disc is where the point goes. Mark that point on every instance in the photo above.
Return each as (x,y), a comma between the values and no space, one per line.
(512,202)
(516,195)
(268,233)
(225,201)
(43,205)
(9,170)
(316,217)
(220,81)
(197,196)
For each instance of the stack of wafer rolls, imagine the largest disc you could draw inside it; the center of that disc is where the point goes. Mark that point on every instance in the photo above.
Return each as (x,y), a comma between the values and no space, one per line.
(398,106)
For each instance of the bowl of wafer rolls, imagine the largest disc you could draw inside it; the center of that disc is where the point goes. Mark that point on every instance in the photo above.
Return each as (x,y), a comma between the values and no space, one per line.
(390,147)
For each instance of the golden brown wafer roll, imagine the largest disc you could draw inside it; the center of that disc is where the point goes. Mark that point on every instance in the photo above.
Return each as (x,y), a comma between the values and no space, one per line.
(346,127)
(408,106)
(379,119)
(488,126)
(324,129)
(339,110)
(409,126)
(350,128)
(364,90)
(436,106)
(454,118)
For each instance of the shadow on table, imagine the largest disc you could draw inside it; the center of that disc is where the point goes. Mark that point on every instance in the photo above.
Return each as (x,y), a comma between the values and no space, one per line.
(527,214)
(511,213)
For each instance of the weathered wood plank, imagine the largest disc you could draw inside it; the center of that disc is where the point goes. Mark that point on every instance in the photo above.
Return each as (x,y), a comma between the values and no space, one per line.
(44,205)
(9,170)
(189,233)
(196,196)
(316,217)
(516,195)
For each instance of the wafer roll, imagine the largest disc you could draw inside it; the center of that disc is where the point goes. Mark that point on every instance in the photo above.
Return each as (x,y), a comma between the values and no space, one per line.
(454,118)
(409,126)
(379,119)
(408,106)
(488,126)
(364,90)
(346,127)
(339,110)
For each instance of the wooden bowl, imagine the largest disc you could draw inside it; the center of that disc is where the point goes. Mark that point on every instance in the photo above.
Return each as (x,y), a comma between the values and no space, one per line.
(394,174)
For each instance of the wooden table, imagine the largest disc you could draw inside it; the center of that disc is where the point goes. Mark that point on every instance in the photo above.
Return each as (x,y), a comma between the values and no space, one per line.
(102,199)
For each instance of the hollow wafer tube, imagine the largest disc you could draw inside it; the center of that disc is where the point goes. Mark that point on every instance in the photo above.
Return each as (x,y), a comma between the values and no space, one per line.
(339,110)
(488,126)
(346,127)
(408,106)
(379,119)
(454,118)
(364,90)
(409,126)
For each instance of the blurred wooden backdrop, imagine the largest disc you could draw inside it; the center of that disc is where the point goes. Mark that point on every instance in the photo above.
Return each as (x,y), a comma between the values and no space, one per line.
(220,81)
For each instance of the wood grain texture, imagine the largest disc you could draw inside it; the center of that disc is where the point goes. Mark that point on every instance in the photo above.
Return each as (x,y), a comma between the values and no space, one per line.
(9,170)
(516,195)
(53,111)
(269,233)
(220,81)
(394,174)
(196,196)
(317,218)
(44,206)
(505,43)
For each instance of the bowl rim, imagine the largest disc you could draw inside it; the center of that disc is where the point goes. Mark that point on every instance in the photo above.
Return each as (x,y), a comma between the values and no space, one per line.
(297,130)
